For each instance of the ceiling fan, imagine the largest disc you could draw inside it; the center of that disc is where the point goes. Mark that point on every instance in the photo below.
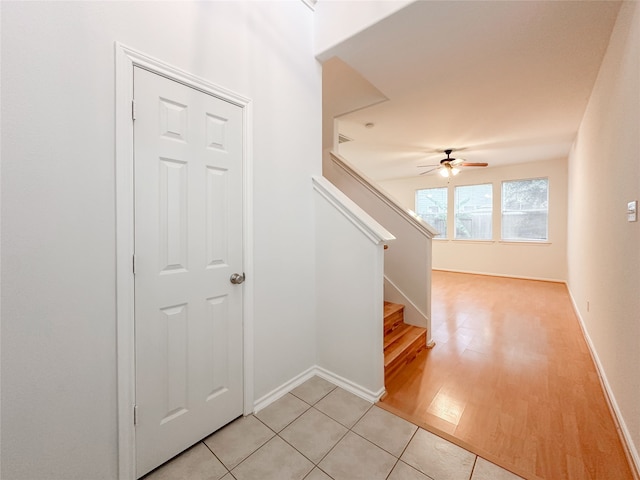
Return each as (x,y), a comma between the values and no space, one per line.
(450,167)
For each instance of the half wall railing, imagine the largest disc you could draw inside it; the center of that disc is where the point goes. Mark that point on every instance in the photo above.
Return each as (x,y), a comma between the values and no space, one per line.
(349,291)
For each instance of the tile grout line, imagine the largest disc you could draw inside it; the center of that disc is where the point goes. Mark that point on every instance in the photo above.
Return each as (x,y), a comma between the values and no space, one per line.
(392,469)
(398,460)
(322,413)
(254,451)
(321,398)
(340,439)
(473,468)
(215,456)
(296,418)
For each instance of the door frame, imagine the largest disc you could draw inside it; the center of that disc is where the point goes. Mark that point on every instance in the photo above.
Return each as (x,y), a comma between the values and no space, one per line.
(126,59)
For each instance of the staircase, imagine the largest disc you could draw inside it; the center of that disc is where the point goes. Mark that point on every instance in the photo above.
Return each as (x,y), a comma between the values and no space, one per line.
(402,342)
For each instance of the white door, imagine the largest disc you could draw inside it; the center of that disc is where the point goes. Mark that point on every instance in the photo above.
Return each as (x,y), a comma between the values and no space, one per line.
(188,243)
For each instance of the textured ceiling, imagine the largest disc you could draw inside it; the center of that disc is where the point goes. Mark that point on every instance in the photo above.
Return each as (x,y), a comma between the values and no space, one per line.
(506,81)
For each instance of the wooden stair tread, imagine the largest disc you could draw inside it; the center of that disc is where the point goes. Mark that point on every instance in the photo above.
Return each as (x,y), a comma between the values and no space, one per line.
(410,335)
(395,334)
(391,308)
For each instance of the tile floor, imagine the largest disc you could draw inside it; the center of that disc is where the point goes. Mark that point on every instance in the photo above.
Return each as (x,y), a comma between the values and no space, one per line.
(322,432)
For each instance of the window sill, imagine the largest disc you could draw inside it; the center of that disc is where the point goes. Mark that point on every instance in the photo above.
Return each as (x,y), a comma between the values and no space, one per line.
(501,242)
(470,240)
(524,242)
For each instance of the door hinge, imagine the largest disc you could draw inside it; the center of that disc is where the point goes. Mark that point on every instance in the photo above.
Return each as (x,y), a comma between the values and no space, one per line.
(133,109)
(133,264)
(135,415)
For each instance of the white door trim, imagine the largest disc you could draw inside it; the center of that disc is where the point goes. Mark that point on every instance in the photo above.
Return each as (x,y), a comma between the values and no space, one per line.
(126,58)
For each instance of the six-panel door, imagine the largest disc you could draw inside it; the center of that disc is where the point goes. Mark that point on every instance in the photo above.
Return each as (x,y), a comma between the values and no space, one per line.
(188,243)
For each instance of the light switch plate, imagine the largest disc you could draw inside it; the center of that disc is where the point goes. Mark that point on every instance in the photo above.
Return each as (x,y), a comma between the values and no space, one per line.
(632,211)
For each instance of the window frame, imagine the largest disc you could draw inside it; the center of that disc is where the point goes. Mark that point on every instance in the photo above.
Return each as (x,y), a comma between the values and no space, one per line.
(502,212)
(441,236)
(455,213)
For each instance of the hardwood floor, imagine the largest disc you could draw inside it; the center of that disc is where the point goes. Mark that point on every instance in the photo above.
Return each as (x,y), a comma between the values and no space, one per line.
(512,380)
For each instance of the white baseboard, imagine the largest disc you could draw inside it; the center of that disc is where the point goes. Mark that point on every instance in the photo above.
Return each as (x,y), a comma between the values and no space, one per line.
(520,277)
(350,386)
(625,436)
(289,385)
(283,389)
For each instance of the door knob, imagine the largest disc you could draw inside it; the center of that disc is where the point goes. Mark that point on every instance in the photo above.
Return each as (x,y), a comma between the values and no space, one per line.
(237,279)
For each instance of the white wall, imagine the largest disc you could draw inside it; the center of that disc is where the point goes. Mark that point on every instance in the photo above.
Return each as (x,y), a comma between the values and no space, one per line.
(350,269)
(337,20)
(603,248)
(58,215)
(540,261)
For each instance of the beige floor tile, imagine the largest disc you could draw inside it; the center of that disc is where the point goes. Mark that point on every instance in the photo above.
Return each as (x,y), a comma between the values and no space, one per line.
(355,458)
(317,474)
(197,463)
(485,470)
(313,390)
(402,471)
(438,458)
(313,434)
(282,412)
(238,440)
(276,460)
(320,435)
(385,430)
(343,407)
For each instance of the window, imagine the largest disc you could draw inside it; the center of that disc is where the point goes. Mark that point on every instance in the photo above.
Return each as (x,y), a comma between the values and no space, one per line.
(473,211)
(431,206)
(525,209)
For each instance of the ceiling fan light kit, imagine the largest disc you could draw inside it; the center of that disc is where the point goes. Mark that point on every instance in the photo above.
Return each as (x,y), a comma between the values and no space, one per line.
(449,171)
(449,166)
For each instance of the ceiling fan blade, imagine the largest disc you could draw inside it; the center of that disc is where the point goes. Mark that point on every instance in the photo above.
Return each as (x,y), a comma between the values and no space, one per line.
(474,164)
(427,166)
(429,171)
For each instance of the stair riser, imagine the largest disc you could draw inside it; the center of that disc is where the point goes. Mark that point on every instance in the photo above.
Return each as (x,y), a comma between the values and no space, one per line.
(408,355)
(393,321)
